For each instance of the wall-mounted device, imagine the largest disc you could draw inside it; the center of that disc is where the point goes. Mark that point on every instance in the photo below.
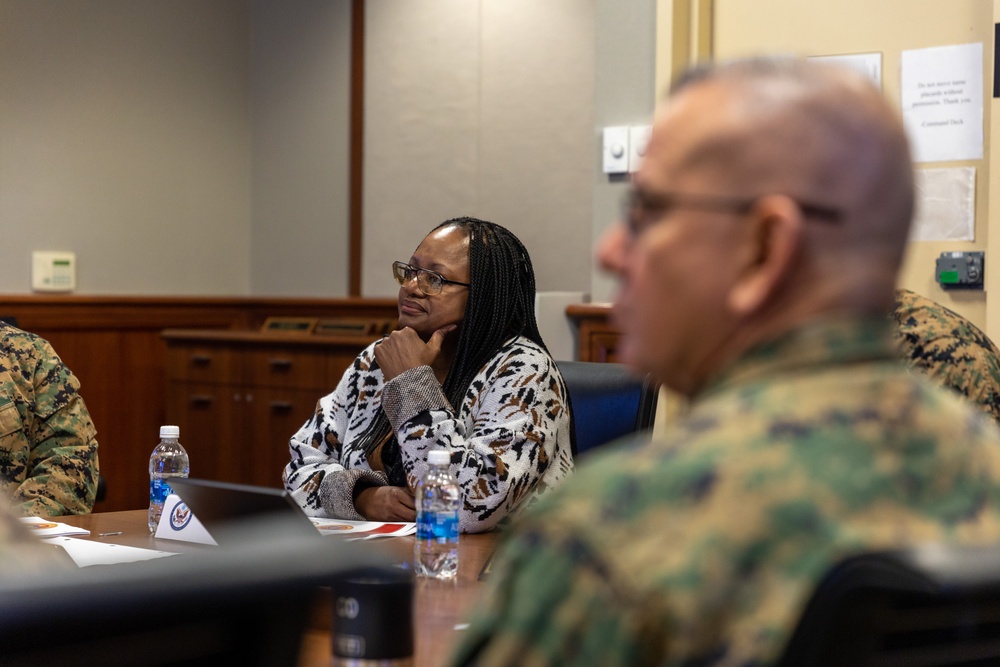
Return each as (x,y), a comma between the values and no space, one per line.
(53,271)
(623,148)
(960,270)
(615,151)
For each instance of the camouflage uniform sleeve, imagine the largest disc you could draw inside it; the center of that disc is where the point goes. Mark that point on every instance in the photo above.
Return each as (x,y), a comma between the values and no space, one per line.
(553,602)
(950,349)
(61,476)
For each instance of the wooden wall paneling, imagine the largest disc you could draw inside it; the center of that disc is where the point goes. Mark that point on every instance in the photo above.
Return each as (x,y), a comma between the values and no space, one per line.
(138,418)
(94,357)
(207,410)
(114,346)
(278,415)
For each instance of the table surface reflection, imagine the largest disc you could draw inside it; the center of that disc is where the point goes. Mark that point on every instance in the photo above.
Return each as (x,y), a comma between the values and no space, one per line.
(440,608)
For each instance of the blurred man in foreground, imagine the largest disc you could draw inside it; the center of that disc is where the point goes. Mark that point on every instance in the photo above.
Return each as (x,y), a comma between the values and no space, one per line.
(757,257)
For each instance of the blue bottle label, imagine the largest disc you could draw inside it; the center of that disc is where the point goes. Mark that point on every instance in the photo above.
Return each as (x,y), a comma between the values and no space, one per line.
(159,489)
(442,527)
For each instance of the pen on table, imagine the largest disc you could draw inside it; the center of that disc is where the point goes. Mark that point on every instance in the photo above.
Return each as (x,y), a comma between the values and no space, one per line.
(114,532)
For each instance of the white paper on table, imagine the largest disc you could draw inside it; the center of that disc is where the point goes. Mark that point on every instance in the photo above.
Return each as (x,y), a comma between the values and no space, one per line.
(363,529)
(942,101)
(40,527)
(946,205)
(87,552)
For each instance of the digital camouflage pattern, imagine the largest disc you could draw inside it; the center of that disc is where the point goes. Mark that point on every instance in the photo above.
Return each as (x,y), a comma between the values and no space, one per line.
(949,348)
(702,547)
(48,446)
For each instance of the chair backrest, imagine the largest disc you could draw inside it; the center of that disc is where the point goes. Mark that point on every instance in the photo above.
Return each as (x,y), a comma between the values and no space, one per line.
(608,401)
(246,605)
(930,606)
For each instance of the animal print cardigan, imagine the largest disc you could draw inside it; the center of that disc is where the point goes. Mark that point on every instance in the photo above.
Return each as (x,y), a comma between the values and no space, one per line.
(509,440)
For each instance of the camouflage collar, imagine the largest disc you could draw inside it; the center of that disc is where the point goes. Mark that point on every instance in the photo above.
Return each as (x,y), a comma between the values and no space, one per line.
(825,342)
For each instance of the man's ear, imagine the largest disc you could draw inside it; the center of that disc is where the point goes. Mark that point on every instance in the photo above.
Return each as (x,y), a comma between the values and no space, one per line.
(771,243)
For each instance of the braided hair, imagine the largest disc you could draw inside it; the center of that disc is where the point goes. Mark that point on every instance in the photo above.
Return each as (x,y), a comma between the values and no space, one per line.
(501,306)
(501,301)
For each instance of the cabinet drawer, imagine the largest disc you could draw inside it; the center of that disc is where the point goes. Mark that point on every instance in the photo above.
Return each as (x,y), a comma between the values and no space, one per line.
(301,369)
(202,363)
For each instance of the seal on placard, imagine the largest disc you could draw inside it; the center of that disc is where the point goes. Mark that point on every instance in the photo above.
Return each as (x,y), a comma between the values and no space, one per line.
(180,516)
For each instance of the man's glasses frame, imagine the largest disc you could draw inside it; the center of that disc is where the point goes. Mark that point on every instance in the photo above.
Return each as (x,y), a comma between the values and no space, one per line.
(641,209)
(429,282)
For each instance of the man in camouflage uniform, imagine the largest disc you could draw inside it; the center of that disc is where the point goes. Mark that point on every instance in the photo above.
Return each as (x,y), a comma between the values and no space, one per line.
(949,348)
(48,448)
(757,261)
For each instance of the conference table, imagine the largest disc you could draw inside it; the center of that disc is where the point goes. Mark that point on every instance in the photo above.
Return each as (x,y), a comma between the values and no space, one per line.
(440,608)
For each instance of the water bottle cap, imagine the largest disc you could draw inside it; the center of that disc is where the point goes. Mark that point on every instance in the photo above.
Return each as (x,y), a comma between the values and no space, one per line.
(170,431)
(438,457)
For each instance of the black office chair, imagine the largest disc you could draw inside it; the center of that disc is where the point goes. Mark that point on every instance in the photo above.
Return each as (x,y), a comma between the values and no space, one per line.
(608,401)
(932,606)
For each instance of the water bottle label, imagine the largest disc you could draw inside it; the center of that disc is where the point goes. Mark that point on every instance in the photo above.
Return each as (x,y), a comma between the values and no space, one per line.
(159,489)
(442,527)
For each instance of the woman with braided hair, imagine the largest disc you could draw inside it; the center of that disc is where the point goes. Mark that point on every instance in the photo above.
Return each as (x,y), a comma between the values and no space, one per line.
(466,370)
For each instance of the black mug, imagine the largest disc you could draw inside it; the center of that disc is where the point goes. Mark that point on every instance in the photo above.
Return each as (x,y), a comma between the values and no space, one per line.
(373,618)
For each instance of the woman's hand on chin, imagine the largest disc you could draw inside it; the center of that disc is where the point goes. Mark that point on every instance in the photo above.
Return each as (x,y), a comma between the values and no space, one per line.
(402,350)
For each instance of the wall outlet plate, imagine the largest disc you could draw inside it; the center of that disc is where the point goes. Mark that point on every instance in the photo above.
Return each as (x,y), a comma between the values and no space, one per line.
(53,271)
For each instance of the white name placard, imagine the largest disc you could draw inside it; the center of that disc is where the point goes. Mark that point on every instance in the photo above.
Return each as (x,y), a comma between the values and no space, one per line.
(178,522)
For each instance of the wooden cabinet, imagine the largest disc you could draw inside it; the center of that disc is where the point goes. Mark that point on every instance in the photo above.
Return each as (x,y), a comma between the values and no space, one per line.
(239,396)
(597,338)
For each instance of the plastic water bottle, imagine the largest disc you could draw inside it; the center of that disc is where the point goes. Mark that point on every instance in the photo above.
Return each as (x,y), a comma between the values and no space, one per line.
(435,553)
(167,460)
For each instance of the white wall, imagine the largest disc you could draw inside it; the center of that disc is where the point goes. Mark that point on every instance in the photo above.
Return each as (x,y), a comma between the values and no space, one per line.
(301,147)
(624,95)
(200,146)
(485,109)
(125,137)
(888,27)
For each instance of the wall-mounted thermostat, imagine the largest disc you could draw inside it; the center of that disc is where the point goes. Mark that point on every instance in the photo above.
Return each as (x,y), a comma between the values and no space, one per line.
(960,270)
(53,271)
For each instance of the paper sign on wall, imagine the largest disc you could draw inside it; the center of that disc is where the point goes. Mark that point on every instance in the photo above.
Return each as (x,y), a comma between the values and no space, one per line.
(942,102)
(866,64)
(946,205)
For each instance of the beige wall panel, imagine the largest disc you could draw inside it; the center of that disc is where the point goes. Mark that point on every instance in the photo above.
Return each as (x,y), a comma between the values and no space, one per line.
(818,27)
(993,242)
(422,105)
(301,64)
(483,109)
(125,137)
(537,131)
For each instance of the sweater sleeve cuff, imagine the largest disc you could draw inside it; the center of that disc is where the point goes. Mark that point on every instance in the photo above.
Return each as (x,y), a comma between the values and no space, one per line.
(336,492)
(410,393)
